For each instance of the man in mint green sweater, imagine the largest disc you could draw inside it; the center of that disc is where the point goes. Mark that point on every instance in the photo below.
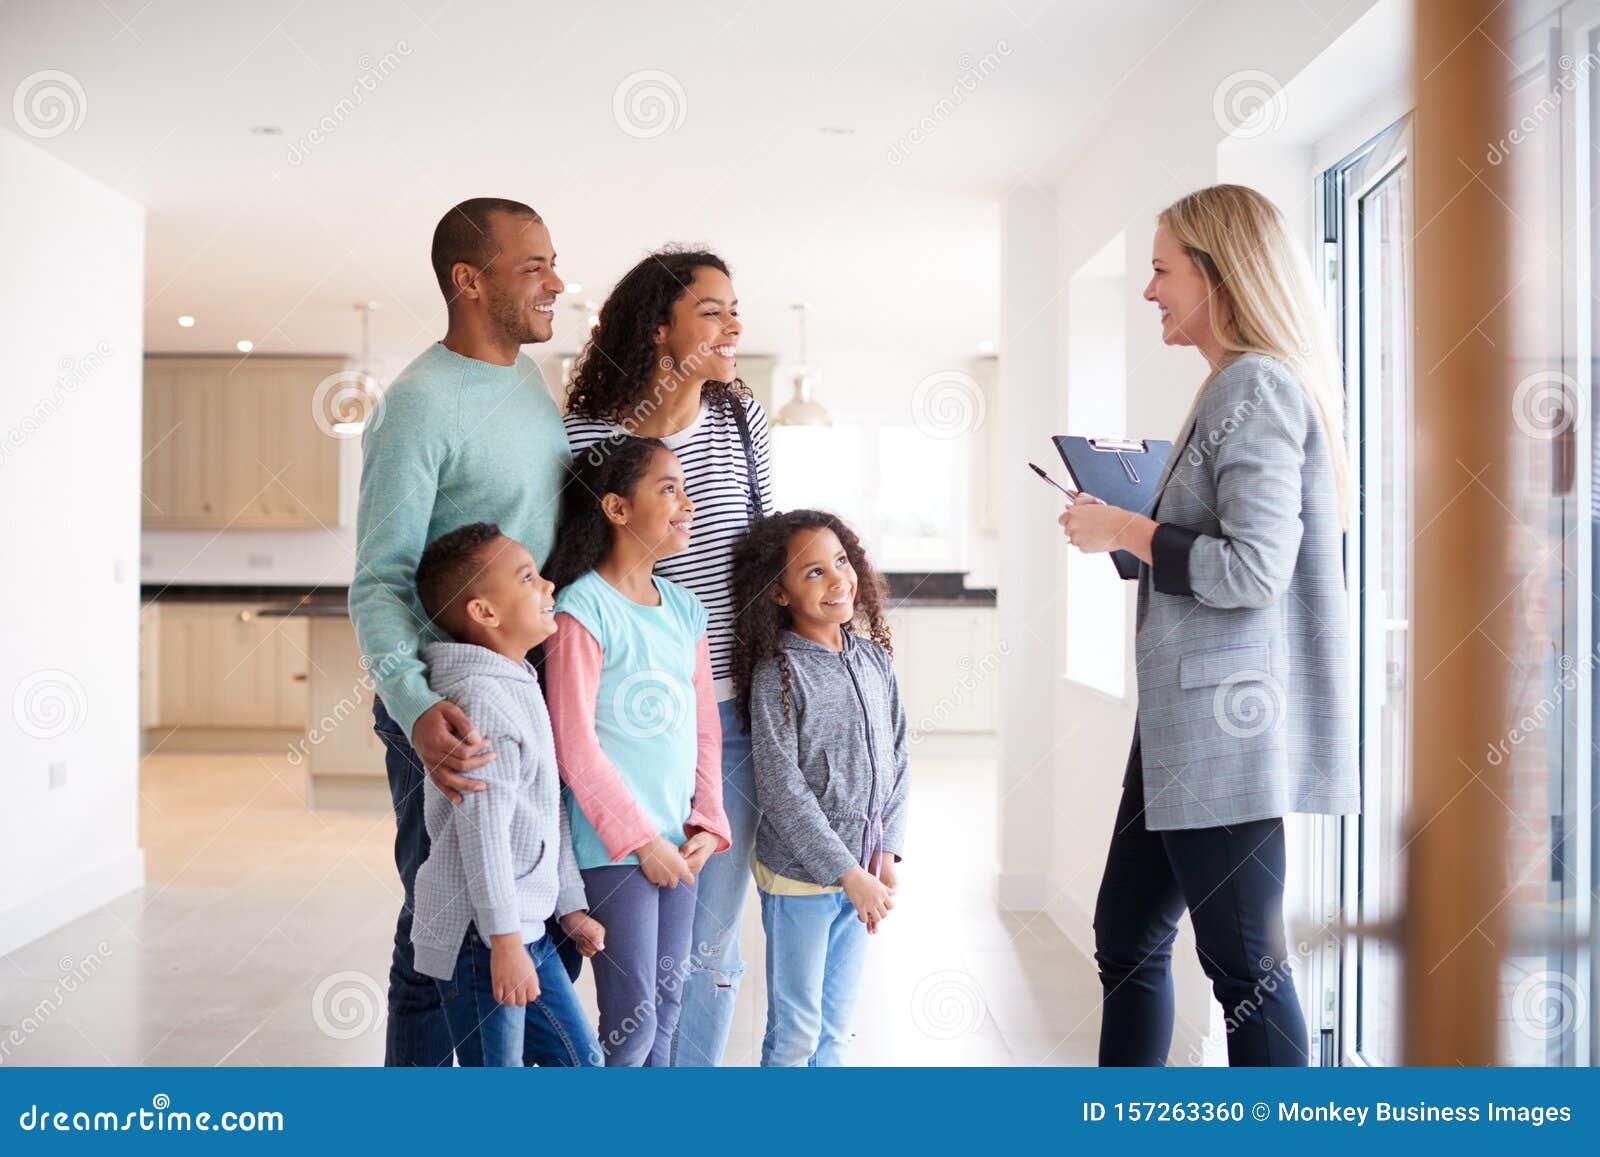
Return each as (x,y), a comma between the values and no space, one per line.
(467,433)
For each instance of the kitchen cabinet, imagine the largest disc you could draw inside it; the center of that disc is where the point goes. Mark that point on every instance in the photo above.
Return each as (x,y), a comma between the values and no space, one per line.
(947,660)
(235,442)
(182,445)
(150,665)
(343,755)
(222,665)
(184,693)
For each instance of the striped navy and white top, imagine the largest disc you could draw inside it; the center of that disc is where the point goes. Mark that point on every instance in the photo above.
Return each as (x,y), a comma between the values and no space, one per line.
(717,477)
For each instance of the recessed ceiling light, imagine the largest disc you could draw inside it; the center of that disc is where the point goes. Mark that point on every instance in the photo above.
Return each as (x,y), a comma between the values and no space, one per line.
(986,347)
(186,321)
(266,130)
(574,287)
(245,346)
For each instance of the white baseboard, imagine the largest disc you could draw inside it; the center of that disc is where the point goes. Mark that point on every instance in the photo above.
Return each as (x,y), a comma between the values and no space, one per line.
(83,893)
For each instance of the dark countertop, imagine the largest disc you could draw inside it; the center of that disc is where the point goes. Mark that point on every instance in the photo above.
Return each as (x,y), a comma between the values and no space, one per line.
(310,601)
(905,590)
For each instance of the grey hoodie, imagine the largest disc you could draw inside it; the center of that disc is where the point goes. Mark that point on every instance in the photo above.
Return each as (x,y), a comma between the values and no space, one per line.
(502,858)
(835,766)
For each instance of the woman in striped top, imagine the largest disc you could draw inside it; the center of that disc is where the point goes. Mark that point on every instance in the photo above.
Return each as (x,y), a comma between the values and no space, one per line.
(661,364)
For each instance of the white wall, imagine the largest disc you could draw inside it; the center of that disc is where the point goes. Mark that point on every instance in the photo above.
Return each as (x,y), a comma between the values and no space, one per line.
(1031,404)
(71,340)
(1161,141)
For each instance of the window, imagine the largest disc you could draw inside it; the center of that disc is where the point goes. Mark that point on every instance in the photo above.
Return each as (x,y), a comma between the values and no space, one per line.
(903,489)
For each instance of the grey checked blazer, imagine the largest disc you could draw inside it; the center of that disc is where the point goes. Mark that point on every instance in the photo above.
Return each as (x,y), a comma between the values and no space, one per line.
(1246,697)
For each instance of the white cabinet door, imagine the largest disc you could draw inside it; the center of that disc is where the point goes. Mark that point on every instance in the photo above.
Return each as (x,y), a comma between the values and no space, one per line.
(184,672)
(306,459)
(193,448)
(899,621)
(341,740)
(233,442)
(160,485)
(150,665)
(244,686)
(952,657)
(292,672)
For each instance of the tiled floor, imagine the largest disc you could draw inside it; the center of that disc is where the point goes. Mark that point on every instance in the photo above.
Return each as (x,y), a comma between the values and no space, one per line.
(262,938)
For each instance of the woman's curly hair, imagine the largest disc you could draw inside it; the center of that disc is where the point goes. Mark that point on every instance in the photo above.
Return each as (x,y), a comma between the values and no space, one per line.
(759,561)
(614,375)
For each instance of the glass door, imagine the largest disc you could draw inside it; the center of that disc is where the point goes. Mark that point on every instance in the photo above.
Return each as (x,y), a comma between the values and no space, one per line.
(1548,505)
(1367,228)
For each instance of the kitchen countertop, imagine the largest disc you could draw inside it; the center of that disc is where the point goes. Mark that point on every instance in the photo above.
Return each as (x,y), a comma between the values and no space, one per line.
(269,601)
(905,590)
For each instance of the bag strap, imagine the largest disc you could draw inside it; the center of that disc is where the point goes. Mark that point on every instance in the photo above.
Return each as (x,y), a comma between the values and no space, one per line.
(741,420)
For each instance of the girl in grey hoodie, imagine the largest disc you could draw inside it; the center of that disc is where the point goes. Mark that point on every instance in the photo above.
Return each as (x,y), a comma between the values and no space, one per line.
(828,738)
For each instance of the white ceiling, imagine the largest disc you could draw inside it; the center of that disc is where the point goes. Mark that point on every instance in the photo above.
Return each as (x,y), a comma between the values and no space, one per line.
(275,237)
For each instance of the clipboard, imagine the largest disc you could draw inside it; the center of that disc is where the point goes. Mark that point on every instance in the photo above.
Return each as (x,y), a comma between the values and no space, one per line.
(1121,471)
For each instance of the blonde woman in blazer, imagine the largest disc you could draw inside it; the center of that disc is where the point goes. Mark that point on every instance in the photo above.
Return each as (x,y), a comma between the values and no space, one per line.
(1245,701)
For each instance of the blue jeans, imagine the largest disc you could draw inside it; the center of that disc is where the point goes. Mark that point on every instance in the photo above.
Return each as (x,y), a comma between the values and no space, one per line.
(711,989)
(816,946)
(550,1032)
(417,1032)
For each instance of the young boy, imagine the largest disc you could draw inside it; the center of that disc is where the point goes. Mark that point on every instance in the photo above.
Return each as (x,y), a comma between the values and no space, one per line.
(501,860)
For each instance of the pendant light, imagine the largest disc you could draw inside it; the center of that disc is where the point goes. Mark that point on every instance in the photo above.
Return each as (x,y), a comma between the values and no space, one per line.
(802,409)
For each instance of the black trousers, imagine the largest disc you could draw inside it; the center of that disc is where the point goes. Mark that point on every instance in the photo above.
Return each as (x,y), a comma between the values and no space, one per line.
(1231,881)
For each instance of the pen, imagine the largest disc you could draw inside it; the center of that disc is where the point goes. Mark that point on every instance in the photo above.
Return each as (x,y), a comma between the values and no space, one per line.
(1072,495)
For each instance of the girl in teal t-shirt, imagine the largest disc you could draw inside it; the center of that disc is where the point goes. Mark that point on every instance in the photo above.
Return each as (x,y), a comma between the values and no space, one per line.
(638,741)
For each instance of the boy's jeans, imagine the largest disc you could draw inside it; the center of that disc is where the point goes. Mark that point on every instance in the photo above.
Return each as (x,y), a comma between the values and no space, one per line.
(711,988)
(551,1031)
(417,1032)
(816,947)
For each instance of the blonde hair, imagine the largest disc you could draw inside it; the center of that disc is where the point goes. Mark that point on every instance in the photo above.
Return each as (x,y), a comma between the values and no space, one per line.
(1241,245)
